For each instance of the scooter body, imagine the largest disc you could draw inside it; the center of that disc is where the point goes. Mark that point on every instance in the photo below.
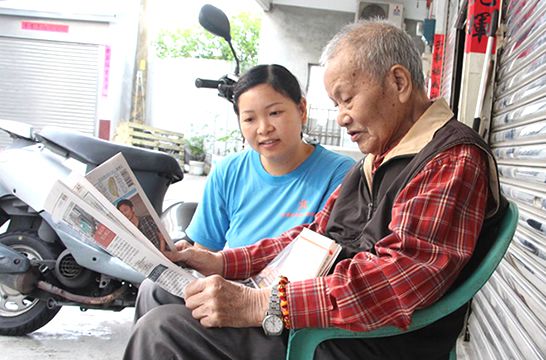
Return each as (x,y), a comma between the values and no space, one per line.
(45,265)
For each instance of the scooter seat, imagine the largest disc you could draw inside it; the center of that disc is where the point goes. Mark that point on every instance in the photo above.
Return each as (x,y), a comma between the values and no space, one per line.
(94,151)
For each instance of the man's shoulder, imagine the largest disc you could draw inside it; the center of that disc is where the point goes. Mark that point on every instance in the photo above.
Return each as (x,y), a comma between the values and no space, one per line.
(455,133)
(458,129)
(460,151)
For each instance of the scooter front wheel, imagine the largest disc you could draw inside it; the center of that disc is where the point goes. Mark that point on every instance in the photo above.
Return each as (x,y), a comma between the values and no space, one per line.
(21,314)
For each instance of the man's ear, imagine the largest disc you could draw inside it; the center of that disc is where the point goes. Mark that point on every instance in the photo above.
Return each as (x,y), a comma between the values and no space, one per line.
(401,78)
(302,107)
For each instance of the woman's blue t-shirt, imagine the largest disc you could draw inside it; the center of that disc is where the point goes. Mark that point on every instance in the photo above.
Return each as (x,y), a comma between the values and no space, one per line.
(242,203)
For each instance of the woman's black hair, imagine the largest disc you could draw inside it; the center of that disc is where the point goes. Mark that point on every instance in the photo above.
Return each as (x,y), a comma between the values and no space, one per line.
(279,77)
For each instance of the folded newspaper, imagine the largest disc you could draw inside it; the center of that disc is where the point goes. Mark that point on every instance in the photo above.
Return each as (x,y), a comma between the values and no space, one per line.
(109,208)
(309,255)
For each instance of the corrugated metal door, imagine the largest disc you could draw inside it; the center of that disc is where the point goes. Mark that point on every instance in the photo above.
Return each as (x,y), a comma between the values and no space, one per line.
(47,82)
(509,319)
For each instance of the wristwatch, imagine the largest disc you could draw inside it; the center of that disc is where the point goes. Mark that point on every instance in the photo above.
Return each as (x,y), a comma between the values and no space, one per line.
(272,322)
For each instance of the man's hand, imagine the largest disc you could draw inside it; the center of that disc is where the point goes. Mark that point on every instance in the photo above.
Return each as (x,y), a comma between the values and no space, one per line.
(217,302)
(204,261)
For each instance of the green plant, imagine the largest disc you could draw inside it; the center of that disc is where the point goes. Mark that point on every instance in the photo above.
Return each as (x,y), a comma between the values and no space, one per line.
(196,147)
(197,43)
(230,142)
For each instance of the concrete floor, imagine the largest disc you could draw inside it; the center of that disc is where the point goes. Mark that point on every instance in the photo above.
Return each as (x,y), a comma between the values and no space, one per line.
(94,334)
(72,334)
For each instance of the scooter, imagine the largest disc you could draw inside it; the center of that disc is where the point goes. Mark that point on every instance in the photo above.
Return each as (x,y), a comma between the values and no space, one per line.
(44,265)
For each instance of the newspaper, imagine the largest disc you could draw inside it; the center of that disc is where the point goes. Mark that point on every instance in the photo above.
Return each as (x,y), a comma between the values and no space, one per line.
(116,181)
(309,255)
(90,205)
(99,225)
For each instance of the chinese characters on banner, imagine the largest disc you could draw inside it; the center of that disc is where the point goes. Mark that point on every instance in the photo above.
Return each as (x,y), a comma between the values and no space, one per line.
(436,66)
(479,22)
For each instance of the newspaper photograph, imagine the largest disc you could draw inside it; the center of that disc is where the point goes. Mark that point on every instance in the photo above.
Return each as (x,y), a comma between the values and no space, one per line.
(116,181)
(86,191)
(65,205)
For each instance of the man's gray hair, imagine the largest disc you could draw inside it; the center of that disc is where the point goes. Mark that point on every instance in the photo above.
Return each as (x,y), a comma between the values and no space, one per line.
(377,45)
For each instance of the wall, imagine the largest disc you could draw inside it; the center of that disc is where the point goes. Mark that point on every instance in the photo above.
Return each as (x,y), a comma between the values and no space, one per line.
(295,36)
(174,103)
(107,28)
(124,40)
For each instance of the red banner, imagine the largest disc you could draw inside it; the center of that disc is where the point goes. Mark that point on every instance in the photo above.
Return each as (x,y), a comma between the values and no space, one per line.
(437,66)
(479,22)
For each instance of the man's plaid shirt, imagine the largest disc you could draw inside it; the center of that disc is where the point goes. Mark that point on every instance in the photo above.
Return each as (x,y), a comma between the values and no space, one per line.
(436,220)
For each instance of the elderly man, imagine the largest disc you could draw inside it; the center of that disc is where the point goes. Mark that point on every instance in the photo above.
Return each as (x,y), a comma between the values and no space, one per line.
(412,218)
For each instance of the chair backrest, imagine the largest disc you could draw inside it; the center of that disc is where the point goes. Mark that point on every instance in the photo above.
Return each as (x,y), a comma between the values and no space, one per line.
(302,342)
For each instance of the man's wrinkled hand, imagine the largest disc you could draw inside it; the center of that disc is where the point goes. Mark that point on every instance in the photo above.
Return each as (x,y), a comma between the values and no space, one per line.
(204,261)
(217,302)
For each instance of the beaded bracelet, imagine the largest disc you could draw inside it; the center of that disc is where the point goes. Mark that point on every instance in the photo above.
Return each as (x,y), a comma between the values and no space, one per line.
(283,281)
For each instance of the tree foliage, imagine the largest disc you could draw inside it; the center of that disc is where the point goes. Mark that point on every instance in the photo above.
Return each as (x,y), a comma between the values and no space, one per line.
(196,42)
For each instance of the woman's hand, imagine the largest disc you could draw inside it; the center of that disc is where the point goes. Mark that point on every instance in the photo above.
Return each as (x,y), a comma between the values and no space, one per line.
(202,260)
(217,302)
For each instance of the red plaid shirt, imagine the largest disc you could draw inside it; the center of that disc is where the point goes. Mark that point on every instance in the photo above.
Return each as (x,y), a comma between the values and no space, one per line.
(436,220)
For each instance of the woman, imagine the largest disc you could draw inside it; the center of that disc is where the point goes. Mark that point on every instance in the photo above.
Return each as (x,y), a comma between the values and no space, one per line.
(280,182)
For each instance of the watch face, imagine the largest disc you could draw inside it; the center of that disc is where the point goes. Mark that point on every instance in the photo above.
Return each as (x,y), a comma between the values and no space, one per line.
(273,325)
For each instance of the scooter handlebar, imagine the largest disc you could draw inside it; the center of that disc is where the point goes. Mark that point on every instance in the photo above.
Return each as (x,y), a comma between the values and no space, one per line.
(205,83)
(223,85)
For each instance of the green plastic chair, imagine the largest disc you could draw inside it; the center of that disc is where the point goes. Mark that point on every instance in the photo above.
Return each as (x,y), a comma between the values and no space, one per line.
(303,342)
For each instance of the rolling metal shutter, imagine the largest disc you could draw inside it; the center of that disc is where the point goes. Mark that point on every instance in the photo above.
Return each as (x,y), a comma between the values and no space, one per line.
(47,82)
(509,320)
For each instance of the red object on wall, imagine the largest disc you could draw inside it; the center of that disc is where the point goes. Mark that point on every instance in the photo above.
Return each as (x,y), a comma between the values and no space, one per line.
(42,26)
(437,66)
(479,20)
(106,71)
(104,129)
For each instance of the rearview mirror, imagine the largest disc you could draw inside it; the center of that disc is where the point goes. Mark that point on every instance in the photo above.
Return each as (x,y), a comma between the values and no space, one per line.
(215,21)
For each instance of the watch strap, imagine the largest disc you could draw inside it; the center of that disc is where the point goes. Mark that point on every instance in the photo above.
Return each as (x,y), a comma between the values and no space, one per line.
(274,303)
